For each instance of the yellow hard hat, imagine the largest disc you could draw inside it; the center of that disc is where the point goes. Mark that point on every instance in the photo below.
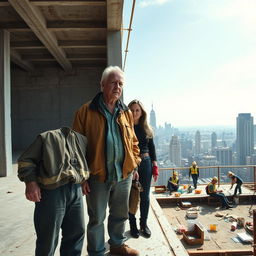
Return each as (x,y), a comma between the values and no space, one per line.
(194,163)
(215,178)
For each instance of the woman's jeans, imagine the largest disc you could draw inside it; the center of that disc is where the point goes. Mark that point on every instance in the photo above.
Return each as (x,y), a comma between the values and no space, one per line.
(115,195)
(145,176)
(60,208)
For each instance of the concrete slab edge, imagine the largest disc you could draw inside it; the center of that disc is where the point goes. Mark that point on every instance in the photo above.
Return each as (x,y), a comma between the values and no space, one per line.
(174,243)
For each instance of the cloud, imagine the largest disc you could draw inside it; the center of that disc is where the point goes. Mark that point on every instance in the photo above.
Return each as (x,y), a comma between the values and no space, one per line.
(238,73)
(241,11)
(146,3)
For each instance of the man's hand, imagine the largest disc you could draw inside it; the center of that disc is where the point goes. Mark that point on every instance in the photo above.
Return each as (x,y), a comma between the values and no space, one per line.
(33,191)
(85,188)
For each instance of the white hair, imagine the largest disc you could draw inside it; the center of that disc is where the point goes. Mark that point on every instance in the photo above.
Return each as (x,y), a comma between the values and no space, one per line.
(108,71)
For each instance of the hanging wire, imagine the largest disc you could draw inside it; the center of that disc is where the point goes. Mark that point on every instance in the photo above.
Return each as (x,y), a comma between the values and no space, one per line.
(129,31)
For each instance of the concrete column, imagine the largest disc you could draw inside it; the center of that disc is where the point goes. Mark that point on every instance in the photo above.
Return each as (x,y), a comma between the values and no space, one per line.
(114,48)
(5,105)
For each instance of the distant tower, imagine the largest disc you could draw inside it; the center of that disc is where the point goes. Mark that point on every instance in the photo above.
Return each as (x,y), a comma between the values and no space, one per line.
(153,118)
(244,137)
(214,141)
(197,143)
(175,151)
(223,155)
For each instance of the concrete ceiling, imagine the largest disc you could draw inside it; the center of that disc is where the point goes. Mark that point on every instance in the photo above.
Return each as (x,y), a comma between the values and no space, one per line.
(64,33)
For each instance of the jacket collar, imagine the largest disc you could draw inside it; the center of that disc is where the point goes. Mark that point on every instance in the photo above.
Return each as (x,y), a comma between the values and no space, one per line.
(95,103)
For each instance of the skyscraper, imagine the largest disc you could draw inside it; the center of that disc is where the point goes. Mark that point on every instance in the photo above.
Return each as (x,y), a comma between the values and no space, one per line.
(244,137)
(223,155)
(153,118)
(213,141)
(197,143)
(175,150)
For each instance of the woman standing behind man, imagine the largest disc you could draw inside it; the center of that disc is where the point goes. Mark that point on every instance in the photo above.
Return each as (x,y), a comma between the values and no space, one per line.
(147,169)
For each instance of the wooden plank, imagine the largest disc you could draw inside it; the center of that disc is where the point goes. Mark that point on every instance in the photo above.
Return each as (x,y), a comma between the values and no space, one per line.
(63,24)
(60,3)
(27,45)
(220,252)
(115,14)
(49,57)
(4,3)
(35,20)
(18,25)
(172,239)
(38,57)
(69,3)
(16,58)
(82,43)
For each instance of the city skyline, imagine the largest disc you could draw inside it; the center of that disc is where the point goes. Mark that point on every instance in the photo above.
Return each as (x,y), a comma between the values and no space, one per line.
(194,61)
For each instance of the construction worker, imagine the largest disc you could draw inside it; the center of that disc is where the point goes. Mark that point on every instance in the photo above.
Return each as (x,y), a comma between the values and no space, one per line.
(211,190)
(235,179)
(173,182)
(194,172)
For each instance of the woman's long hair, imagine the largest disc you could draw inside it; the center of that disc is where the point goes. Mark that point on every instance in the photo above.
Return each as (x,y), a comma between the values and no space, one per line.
(143,119)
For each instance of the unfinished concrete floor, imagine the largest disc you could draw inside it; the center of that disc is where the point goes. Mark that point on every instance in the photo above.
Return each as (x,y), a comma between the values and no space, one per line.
(17,236)
(223,238)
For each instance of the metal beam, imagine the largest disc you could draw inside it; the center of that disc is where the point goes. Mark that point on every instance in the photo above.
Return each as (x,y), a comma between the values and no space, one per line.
(35,20)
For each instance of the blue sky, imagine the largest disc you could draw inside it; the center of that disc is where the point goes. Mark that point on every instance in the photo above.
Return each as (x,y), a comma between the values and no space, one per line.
(195,60)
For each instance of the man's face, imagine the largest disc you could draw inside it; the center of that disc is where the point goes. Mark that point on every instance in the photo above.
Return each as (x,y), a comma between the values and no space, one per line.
(112,87)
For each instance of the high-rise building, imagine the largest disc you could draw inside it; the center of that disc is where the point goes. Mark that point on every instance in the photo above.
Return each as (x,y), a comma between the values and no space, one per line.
(175,150)
(244,137)
(223,155)
(213,141)
(197,143)
(153,118)
(254,134)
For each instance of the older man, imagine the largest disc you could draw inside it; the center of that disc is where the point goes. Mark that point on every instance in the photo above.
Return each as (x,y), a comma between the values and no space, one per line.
(112,155)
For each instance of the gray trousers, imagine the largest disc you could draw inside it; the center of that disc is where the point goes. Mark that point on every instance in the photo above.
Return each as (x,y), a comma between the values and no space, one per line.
(116,196)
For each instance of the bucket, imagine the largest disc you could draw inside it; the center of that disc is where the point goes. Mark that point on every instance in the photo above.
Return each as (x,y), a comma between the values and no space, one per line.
(236,199)
(213,227)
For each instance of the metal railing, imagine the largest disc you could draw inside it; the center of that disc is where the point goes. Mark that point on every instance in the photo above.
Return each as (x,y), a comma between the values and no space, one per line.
(246,172)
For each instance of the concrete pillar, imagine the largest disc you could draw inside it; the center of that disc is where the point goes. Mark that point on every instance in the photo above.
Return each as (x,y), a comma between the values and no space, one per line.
(114,48)
(5,105)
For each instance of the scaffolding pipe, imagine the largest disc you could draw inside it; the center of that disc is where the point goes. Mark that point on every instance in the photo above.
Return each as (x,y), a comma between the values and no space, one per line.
(254,232)
(254,177)
(218,176)
(129,31)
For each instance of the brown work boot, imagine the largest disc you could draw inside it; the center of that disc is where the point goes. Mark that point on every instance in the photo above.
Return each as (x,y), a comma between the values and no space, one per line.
(123,250)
